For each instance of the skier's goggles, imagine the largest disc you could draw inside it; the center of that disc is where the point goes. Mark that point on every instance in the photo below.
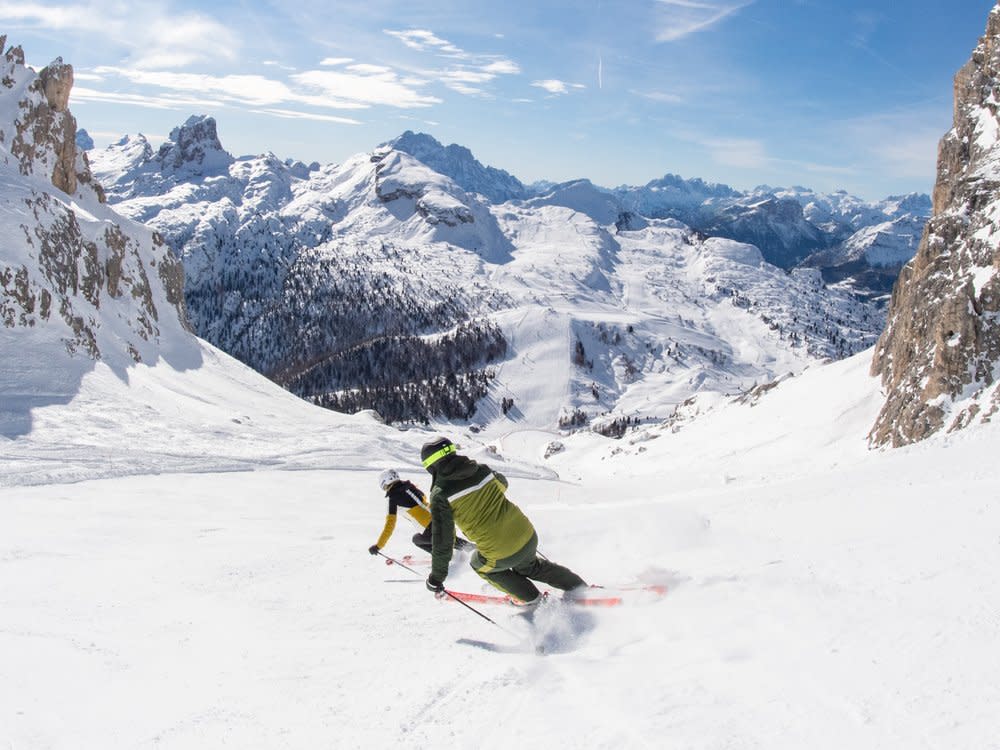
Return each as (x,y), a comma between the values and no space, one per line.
(438,455)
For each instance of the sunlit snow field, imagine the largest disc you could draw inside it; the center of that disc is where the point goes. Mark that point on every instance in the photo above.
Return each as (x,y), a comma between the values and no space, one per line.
(188,568)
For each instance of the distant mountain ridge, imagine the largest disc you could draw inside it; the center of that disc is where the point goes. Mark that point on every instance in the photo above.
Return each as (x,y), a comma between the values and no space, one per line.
(792,226)
(383,283)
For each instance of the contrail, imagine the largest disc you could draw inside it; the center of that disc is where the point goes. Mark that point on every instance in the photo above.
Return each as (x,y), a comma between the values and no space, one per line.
(600,72)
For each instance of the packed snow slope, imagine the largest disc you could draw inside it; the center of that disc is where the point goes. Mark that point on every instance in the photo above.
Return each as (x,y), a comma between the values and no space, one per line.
(820,595)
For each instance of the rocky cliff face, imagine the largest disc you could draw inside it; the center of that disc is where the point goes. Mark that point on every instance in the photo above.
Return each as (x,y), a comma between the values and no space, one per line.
(194,149)
(43,137)
(939,357)
(71,269)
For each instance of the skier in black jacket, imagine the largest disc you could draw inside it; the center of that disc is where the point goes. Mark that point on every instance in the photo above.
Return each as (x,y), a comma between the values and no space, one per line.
(404,494)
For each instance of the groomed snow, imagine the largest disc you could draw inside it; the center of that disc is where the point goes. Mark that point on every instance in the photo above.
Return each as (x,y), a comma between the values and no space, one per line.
(213,587)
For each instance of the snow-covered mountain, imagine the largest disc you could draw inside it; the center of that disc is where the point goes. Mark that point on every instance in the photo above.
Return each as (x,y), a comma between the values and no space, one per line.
(78,284)
(842,235)
(352,284)
(458,163)
(92,313)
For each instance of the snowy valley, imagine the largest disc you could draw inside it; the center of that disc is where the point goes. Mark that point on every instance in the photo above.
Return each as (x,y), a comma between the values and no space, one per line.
(381,283)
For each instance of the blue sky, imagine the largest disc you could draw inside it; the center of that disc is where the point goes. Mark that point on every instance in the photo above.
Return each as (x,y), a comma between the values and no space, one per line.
(829,94)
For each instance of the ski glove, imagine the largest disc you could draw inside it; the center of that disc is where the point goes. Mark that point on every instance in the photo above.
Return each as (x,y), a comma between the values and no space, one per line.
(373,550)
(433,584)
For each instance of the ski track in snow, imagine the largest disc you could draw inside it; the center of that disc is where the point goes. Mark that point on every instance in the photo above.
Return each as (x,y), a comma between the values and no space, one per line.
(819,595)
(830,607)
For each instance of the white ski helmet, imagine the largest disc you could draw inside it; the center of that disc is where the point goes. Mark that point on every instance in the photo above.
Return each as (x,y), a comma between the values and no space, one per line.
(388,478)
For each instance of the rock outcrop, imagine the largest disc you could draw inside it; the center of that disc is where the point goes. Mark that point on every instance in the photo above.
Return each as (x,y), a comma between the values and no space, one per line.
(102,285)
(44,135)
(194,149)
(939,357)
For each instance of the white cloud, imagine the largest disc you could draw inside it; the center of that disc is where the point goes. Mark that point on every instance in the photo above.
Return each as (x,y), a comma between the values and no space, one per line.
(365,69)
(423,41)
(316,88)
(246,89)
(661,97)
(363,90)
(552,86)
(556,87)
(467,90)
(681,18)
(154,34)
(50,16)
(502,67)
(168,101)
(334,61)
(466,76)
(276,64)
(468,72)
(290,114)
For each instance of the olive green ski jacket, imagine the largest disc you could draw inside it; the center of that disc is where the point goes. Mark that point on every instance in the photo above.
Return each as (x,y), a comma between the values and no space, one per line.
(471,495)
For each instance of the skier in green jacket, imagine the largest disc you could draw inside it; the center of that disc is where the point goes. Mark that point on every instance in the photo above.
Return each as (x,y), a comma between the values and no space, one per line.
(472,496)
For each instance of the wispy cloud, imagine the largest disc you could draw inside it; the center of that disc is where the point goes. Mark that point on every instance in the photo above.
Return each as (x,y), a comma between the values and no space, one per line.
(742,153)
(466,72)
(155,35)
(326,89)
(426,41)
(363,88)
(290,114)
(661,97)
(903,143)
(557,87)
(150,101)
(866,23)
(681,18)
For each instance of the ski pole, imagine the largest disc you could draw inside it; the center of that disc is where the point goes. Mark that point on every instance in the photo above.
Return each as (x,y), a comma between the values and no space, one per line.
(402,565)
(464,604)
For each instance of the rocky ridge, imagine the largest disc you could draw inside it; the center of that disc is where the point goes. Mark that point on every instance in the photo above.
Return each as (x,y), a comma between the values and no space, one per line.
(939,357)
(102,286)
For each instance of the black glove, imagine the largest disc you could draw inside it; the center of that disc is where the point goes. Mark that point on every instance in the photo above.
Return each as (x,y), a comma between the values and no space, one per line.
(433,584)
(373,550)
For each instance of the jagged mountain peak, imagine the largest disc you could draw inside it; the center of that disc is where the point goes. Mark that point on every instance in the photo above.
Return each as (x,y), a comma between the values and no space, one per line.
(194,148)
(83,140)
(674,191)
(458,163)
(416,144)
(78,283)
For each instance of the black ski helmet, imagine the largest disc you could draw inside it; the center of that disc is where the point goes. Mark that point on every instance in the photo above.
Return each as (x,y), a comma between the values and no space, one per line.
(434,450)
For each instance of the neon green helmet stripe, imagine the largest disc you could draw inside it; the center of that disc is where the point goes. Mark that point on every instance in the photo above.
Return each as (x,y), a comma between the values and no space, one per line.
(438,455)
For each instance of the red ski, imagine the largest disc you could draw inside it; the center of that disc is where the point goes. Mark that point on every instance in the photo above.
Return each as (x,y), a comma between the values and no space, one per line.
(410,560)
(585,601)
